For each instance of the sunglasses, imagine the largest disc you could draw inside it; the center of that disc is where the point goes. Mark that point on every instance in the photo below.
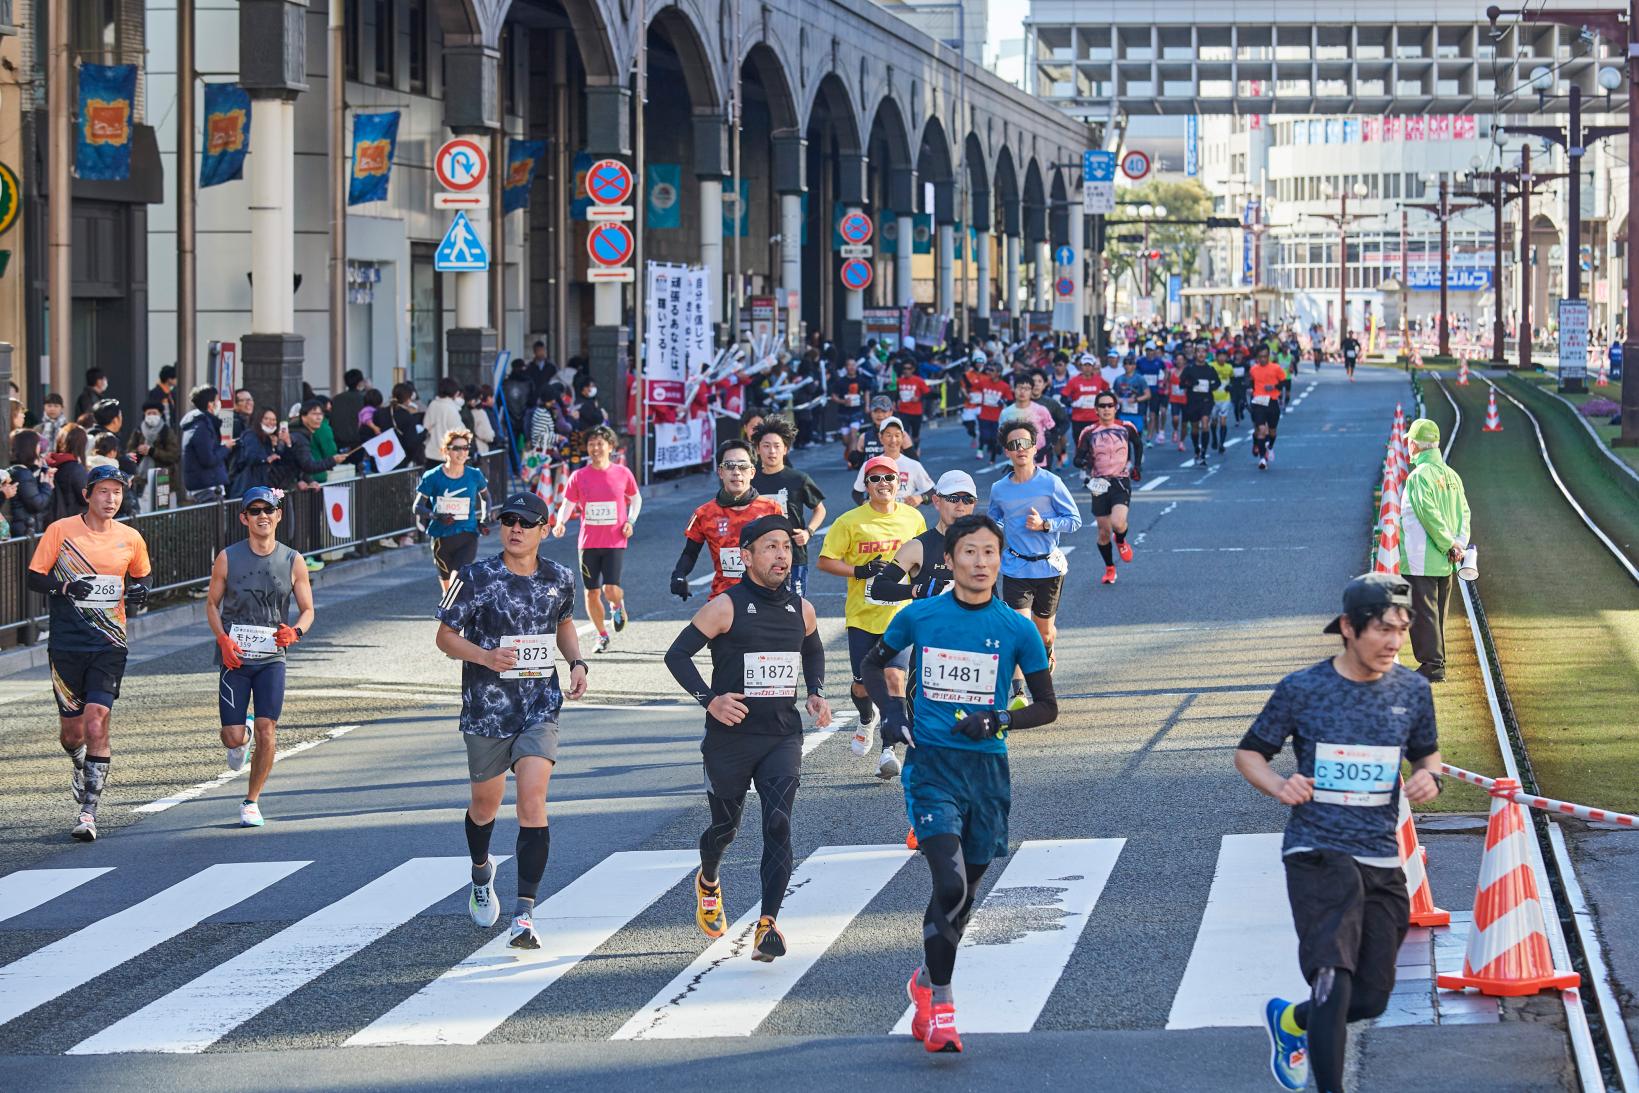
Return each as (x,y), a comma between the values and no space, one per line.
(513,520)
(881,478)
(458,448)
(960,498)
(1018,445)
(735,465)
(260,510)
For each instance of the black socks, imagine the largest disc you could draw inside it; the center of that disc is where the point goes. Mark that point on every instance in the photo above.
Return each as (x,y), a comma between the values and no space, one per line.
(478,843)
(1108,553)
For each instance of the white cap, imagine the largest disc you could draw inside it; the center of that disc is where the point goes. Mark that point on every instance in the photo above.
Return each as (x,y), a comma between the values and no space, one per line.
(887,421)
(978,356)
(955,482)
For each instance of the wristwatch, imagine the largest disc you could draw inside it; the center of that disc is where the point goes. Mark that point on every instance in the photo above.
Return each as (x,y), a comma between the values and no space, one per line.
(1004,721)
(583,666)
(299,633)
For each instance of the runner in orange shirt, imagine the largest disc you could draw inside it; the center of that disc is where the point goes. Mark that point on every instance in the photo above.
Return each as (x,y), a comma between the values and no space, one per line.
(717,523)
(1266,377)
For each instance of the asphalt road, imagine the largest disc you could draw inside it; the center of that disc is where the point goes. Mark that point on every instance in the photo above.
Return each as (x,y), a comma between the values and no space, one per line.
(1127,943)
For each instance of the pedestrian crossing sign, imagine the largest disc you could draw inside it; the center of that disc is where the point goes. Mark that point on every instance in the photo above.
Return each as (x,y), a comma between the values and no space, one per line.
(461,251)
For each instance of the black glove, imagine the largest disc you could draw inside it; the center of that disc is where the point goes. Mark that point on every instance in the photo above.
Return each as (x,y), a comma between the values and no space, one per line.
(927,589)
(983,725)
(77,589)
(680,588)
(869,569)
(136,595)
(895,726)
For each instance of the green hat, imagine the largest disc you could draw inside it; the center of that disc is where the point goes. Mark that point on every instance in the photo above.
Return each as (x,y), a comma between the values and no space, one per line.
(1424,431)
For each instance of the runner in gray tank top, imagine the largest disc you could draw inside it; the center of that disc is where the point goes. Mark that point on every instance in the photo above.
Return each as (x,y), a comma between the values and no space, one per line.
(248,608)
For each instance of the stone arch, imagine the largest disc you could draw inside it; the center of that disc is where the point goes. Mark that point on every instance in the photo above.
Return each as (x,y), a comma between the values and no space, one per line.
(700,73)
(888,131)
(1058,210)
(1006,192)
(933,159)
(763,59)
(831,92)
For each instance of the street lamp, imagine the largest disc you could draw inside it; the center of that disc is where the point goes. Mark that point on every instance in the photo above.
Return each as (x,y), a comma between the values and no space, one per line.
(1343,218)
(1146,213)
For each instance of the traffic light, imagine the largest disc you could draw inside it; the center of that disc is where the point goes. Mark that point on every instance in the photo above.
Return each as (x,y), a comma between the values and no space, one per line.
(1224,222)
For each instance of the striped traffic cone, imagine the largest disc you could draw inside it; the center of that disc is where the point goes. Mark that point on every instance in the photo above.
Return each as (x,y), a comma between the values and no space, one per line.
(1462,374)
(1414,862)
(1604,379)
(1508,954)
(1493,420)
(1388,546)
(1399,416)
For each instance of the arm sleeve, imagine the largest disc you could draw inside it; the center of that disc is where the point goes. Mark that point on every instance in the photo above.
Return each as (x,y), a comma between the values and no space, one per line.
(1044,704)
(43,583)
(813,663)
(680,662)
(686,560)
(423,509)
(890,584)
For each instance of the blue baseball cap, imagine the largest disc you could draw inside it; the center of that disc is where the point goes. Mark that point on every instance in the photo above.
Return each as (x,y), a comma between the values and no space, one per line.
(260,493)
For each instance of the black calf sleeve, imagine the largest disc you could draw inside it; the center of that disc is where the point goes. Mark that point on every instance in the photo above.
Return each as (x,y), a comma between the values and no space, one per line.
(714,840)
(1105,550)
(1325,1017)
(478,839)
(778,796)
(533,845)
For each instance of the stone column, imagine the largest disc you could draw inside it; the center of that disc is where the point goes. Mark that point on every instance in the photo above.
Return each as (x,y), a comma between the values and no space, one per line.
(944,215)
(790,182)
(902,200)
(1078,268)
(472,81)
(1010,290)
(711,166)
(980,206)
(608,135)
(1044,276)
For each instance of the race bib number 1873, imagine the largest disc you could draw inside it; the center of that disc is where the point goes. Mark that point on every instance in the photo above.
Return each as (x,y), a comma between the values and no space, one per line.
(535,655)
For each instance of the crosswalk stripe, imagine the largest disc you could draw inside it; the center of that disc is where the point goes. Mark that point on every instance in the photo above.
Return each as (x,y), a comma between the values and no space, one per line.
(472,999)
(104,945)
(1246,948)
(28,888)
(196,1015)
(724,992)
(1153,483)
(1040,905)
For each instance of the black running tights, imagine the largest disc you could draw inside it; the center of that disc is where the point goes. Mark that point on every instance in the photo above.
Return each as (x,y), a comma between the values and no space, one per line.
(778,796)
(954,882)
(1334,1001)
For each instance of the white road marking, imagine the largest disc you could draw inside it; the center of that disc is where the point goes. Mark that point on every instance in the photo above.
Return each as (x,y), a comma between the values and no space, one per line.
(1152,483)
(724,992)
(1245,946)
(109,942)
(26,889)
(813,739)
(704,578)
(475,997)
(197,1014)
(1040,906)
(229,775)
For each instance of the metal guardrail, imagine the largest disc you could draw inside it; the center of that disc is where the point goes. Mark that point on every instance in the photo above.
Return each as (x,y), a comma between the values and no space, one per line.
(183,542)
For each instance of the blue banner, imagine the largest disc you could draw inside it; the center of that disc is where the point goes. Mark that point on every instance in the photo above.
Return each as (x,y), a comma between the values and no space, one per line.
(922,233)
(102,139)
(664,183)
(227,134)
(375,138)
(887,233)
(1192,146)
(521,158)
(579,202)
(740,225)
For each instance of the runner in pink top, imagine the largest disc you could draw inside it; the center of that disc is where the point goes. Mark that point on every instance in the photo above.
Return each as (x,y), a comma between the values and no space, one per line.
(606,495)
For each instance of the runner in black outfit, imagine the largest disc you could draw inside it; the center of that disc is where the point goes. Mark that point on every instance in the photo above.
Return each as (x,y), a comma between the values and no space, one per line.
(918,570)
(762,636)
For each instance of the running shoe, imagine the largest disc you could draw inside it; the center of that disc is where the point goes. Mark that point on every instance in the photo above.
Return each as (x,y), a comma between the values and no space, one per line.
(236,756)
(86,829)
(1180,445)
(942,1035)
(1138,476)
(768,942)
(1289,1054)
(922,1002)
(1109,574)
(250,814)
(314,564)
(887,765)
(861,742)
(1269,455)
(523,935)
(1125,550)
(482,905)
(618,614)
(708,907)
(602,644)
(1263,463)
(76,781)
(910,839)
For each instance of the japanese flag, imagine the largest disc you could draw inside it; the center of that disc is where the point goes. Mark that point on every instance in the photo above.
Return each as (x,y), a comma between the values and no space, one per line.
(338,509)
(386,449)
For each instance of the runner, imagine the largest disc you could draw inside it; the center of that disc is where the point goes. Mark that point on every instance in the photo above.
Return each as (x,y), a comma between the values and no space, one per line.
(451,506)
(1218,432)
(1133,398)
(762,635)
(609,502)
(1154,370)
(914,483)
(248,608)
(1035,508)
(910,392)
(1061,431)
(1177,397)
(1266,378)
(1024,407)
(1199,380)
(793,490)
(957,792)
(1351,353)
(717,523)
(1351,720)
(918,570)
(1105,451)
(867,439)
(1081,393)
(849,391)
(859,546)
(1238,383)
(92,569)
(995,395)
(973,395)
(502,618)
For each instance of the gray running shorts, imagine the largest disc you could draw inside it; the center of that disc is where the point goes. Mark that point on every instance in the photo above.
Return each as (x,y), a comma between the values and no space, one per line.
(489,756)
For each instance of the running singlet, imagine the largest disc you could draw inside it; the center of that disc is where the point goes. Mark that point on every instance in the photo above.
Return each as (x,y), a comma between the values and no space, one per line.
(760,656)
(69,550)
(1177,391)
(973,383)
(1266,381)
(1079,394)
(933,576)
(256,599)
(962,662)
(603,498)
(860,535)
(718,526)
(457,497)
(1108,447)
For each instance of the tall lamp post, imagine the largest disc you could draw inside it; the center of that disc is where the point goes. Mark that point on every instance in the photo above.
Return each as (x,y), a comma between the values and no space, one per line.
(1145,214)
(1343,218)
(1443,211)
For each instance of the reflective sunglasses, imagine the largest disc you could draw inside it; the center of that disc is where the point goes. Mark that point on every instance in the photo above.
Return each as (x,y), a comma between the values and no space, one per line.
(260,510)
(874,478)
(458,448)
(960,498)
(513,520)
(1019,445)
(735,465)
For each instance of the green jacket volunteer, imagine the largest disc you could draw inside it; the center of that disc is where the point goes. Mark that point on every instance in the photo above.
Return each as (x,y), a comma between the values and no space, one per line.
(1434,532)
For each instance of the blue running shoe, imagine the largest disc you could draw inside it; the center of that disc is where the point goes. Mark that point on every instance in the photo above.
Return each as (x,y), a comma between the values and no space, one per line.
(1289,1061)
(619,614)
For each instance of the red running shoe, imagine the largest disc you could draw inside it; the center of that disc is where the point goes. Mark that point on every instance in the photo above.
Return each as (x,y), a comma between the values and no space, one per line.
(942,1035)
(1109,574)
(922,999)
(910,839)
(1125,550)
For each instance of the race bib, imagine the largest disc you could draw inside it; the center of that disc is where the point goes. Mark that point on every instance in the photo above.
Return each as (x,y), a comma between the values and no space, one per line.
(535,655)
(452,505)
(1129,406)
(852,400)
(771,675)
(106,592)
(599,514)
(1099,486)
(1086,402)
(955,675)
(1260,400)
(1203,386)
(1357,775)
(1238,372)
(255,642)
(730,563)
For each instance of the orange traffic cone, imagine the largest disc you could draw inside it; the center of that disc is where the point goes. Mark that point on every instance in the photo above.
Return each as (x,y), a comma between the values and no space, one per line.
(1414,861)
(1462,374)
(1604,379)
(1493,420)
(1508,952)
(1399,416)
(1388,546)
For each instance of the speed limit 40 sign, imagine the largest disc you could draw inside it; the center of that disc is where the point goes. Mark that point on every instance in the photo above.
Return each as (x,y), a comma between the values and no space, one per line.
(1135,164)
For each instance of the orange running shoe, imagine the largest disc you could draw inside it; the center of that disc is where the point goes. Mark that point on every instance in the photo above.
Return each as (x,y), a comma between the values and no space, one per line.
(1125,550)
(1109,574)
(922,999)
(910,839)
(708,908)
(942,1035)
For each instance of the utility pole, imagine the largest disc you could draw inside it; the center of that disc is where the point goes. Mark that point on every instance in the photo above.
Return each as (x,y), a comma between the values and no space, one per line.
(1444,210)
(187,182)
(1343,218)
(1525,258)
(338,194)
(60,222)
(1506,186)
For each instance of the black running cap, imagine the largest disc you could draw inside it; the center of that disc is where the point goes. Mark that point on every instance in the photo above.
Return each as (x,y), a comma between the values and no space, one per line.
(762,526)
(1372,590)
(526,504)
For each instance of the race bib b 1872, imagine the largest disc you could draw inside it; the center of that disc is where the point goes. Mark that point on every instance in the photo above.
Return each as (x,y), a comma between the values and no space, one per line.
(771,675)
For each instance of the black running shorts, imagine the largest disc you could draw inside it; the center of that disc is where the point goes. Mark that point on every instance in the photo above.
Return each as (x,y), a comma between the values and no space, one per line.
(451,552)
(1347,915)
(78,678)
(601,565)
(1120,492)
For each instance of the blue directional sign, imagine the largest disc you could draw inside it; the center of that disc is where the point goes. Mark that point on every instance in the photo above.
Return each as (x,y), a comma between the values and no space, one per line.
(461,251)
(1065,256)
(1097,166)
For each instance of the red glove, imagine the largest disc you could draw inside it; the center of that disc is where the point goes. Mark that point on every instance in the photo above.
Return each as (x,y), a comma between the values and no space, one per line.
(230,651)
(285,636)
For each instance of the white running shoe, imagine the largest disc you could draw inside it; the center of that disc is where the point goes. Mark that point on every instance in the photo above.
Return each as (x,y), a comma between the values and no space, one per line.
(523,933)
(887,765)
(236,756)
(861,743)
(482,905)
(76,782)
(86,829)
(250,814)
